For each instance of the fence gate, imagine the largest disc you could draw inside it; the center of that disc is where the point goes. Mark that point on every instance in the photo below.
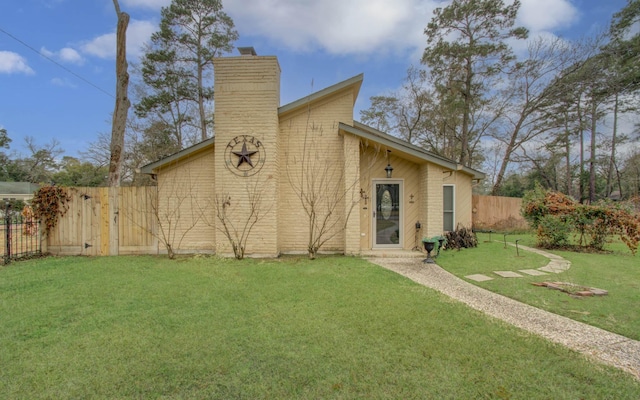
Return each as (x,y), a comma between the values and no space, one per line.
(86,227)
(90,229)
(20,235)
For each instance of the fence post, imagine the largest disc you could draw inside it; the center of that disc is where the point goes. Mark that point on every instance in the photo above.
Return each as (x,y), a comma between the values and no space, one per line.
(42,239)
(114,224)
(7,221)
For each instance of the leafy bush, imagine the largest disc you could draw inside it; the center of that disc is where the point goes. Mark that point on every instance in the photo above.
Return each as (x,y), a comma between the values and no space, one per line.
(556,215)
(48,203)
(553,231)
(540,202)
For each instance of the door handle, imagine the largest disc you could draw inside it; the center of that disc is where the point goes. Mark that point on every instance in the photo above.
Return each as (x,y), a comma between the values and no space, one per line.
(374,214)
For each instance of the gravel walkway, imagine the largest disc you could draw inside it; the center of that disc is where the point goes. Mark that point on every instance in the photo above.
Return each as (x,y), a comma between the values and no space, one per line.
(610,348)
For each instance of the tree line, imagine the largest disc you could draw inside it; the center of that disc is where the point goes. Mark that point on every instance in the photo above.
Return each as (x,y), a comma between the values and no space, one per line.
(544,116)
(171,95)
(550,114)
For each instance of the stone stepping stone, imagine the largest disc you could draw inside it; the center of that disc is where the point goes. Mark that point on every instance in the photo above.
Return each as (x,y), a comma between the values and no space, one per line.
(479,277)
(555,270)
(508,274)
(563,265)
(532,272)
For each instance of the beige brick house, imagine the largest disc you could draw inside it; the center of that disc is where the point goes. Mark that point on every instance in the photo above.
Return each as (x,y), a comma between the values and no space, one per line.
(270,167)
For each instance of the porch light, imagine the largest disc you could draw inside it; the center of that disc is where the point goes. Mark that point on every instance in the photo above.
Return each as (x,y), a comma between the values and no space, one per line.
(389,168)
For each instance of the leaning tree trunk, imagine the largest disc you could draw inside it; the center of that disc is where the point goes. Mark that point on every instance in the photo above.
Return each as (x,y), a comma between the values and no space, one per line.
(122,99)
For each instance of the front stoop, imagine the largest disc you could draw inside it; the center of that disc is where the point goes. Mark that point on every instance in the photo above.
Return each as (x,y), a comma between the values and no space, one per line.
(392,253)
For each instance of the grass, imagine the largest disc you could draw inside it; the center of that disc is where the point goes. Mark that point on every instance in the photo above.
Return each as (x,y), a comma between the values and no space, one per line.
(336,327)
(615,271)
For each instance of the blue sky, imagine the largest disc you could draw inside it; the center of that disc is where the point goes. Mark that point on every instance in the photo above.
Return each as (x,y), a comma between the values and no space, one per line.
(322,42)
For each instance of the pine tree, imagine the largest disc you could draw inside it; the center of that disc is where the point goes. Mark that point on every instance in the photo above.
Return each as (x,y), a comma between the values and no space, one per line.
(467,45)
(177,68)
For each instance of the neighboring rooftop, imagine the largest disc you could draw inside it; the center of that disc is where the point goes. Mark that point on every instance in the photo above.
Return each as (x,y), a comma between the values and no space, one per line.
(8,188)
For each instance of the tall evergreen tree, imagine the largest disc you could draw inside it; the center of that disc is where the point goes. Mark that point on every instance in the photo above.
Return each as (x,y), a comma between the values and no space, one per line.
(177,69)
(624,46)
(467,45)
(623,64)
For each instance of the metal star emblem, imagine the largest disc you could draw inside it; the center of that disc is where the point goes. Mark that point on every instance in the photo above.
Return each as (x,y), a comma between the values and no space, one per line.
(244,155)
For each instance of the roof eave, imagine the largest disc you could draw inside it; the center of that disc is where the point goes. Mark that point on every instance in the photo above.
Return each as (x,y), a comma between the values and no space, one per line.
(394,143)
(150,168)
(354,83)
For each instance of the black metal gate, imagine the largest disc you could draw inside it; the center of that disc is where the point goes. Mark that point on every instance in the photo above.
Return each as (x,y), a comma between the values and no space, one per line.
(20,235)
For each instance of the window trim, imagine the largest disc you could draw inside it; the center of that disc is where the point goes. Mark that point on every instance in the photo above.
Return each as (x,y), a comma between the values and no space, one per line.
(453,208)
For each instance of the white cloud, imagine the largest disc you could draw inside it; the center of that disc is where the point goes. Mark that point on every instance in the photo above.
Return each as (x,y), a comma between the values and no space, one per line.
(150,4)
(70,55)
(47,53)
(104,46)
(66,55)
(547,15)
(11,62)
(337,26)
(365,27)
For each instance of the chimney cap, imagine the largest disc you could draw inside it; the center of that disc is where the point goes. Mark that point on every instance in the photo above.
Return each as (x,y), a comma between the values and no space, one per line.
(247,51)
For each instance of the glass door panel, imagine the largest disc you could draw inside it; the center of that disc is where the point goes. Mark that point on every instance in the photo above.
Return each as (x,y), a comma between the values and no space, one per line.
(387,217)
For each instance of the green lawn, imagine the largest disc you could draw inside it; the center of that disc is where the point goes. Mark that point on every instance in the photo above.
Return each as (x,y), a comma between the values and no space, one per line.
(336,327)
(616,271)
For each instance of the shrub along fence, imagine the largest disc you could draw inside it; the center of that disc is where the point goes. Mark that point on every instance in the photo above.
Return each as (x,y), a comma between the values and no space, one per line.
(497,213)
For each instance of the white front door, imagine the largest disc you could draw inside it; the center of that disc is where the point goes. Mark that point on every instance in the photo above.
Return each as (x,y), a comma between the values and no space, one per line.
(387,214)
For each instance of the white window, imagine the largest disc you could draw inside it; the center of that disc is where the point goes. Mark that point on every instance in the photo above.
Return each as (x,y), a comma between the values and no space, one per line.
(448,206)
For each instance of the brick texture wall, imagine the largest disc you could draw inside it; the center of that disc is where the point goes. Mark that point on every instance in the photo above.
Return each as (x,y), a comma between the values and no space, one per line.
(463,198)
(431,202)
(185,193)
(247,96)
(312,160)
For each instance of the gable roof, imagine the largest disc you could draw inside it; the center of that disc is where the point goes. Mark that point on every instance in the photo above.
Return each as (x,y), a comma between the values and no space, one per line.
(352,84)
(358,129)
(366,132)
(148,169)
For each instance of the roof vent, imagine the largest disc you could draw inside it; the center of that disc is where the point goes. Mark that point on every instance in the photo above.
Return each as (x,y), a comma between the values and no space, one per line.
(247,51)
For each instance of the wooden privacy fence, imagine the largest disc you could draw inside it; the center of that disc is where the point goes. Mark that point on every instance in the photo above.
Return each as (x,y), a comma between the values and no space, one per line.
(497,213)
(108,221)
(105,221)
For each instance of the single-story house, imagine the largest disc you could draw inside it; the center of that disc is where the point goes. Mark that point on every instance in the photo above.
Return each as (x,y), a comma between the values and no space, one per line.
(282,172)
